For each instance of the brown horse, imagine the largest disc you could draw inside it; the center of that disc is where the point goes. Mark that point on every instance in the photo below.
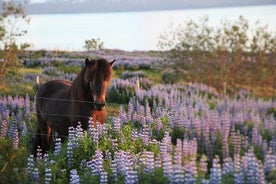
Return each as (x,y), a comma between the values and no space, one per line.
(61,103)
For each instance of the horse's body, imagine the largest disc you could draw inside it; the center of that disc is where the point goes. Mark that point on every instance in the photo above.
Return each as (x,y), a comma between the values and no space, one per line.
(61,103)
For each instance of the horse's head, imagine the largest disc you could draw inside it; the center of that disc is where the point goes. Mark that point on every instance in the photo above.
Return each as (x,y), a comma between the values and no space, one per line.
(97,76)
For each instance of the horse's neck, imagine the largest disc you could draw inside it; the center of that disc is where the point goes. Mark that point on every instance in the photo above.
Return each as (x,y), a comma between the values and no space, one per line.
(78,88)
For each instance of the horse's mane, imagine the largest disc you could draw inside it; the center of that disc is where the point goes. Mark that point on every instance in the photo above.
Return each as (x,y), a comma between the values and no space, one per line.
(100,72)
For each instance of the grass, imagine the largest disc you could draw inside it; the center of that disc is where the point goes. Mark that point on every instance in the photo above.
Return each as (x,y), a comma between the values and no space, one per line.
(14,89)
(154,75)
(24,70)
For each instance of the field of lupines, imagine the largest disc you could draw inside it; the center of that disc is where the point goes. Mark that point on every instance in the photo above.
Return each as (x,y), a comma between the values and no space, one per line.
(162,133)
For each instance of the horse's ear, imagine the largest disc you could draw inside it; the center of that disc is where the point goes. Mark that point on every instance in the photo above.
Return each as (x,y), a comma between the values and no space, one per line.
(87,62)
(112,63)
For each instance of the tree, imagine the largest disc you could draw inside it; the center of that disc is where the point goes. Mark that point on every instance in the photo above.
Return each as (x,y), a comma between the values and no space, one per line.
(93,44)
(233,53)
(13,16)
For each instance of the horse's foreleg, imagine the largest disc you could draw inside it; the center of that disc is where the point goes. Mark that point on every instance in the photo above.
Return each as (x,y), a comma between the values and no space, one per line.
(36,142)
(45,133)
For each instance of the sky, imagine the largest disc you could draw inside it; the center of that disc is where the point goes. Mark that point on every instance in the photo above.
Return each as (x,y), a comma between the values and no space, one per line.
(37,1)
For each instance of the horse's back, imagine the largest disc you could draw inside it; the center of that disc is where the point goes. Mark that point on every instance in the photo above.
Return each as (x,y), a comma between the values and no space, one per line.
(54,88)
(52,103)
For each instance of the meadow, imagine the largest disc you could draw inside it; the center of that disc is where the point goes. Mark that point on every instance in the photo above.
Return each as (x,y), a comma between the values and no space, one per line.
(160,128)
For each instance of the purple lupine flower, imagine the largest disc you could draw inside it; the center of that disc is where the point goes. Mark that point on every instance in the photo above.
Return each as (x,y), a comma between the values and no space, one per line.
(216,174)
(97,163)
(122,114)
(131,177)
(83,165)
(203,164)
(35,175)
(178,152)
(114,169)
(24,129)
(228,166)
(48,176)
(177,175)
(15,139)
(134,135)
(250,167)
(74,177)
(39,152)
(30,165)
(4,128)
(72,137)
(116,122)
(238,174)
(158,162)
(79,131)
(150,161)
(103,178)
(115,144)
(46,159)
(261,174)
(70,153)
(269,162)
(167,164)
(58,146)
(13,126)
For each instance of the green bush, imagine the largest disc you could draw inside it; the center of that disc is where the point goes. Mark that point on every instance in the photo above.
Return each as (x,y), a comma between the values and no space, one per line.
(170,78)
(12,162)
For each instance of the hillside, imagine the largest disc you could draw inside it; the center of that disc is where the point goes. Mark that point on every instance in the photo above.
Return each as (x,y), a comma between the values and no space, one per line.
(58,6)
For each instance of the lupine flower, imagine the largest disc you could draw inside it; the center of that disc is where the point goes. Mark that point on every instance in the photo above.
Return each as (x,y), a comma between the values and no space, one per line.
(58,147)
(74,177)
(97,163)
(203,164)
(216,174)
(131,177)
(228,166)
(15,139)
(70,153)
(35,175)
(39,152)
(177,175)
(4,128)
(30,165)
(103,179)
(269,162)
(48,176)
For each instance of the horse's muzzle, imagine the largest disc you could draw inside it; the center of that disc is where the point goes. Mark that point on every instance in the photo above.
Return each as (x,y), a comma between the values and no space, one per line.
(99,105)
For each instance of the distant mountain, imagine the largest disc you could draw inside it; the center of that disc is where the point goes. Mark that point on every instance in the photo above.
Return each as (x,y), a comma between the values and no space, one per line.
(91,6)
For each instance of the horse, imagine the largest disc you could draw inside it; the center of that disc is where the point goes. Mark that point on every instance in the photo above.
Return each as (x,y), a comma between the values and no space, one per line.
(61,103)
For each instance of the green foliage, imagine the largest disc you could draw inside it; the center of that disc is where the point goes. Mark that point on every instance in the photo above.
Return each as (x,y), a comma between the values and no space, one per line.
(271,178)
(11,19)
(258,151)
(89,179)
(93,44)
(157,134)
(213,105)
(271,111)
(12,162)
(170,78)
(120,95)
(69,69)
(267,135)
(85,149)
(177,133)
(228,179)
(156,177)
(231,53)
